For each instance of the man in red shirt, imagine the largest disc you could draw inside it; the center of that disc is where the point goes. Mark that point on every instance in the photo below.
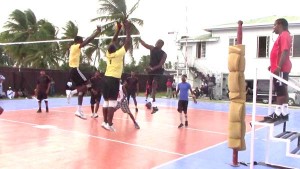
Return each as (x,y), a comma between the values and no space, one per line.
(281,66)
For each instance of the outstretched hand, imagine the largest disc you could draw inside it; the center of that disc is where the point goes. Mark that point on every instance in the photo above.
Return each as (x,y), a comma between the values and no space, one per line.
(126,24)
(119,25)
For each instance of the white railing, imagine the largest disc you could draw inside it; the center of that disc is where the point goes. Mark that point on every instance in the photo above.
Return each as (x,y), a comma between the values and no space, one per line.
(253,122)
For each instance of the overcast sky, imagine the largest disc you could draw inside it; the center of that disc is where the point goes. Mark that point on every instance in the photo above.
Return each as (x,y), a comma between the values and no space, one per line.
(160,16)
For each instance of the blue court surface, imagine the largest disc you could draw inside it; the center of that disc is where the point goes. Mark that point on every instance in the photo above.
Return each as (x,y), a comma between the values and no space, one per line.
(218,156)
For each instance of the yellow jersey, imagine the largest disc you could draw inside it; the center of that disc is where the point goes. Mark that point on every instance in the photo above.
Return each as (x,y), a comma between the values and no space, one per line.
(114,62)
(74,57)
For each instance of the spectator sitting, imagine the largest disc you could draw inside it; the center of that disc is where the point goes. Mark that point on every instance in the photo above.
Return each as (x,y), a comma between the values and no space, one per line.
(10,93)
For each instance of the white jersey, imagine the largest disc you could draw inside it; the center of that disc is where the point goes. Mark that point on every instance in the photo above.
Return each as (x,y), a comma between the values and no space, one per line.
(121,93)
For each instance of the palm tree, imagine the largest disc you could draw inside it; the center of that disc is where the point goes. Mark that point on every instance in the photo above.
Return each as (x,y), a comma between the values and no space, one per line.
(116,10)
(24,27)
(20,28)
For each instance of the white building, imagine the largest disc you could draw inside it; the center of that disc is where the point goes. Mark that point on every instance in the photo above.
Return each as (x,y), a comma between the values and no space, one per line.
(209,53)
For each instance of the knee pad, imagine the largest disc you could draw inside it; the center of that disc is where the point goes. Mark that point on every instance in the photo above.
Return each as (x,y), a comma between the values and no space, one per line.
(105,104)
(45,100)
(80,93)
(112,103)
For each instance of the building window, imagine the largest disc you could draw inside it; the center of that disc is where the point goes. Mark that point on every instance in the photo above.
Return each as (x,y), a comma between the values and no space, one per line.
(295,50)
(232,41)
(263,46)
(201,50)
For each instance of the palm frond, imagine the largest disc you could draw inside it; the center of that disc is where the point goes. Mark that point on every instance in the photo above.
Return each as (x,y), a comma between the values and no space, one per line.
(136,21)
(110,18)
(135,6)
(18,17)
(112,6)
(71,30)
(31,19)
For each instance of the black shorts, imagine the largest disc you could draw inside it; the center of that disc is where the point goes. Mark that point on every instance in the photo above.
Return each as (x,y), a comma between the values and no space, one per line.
(41,95)
(280,88)
(95,98)
(77,77)
(131,93)
(173,89)
(154,76)
(110,89)
(182,106)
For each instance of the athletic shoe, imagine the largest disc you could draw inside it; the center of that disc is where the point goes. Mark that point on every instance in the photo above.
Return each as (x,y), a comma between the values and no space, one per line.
(111,128)
(94,115)
(148,105)
(80,115)
(155,109)
(136,125)
(136,109)
(180,125)
(186,123)
(105,125)
(47,110)
(271,118)
(39,111)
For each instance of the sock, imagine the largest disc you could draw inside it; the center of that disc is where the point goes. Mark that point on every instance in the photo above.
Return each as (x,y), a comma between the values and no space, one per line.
(79,108)
(153,104)
(181,118)
(151,100)
(278,110)
(285,109)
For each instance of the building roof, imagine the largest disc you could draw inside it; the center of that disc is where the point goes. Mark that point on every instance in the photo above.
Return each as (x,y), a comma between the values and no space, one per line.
(266,22)
(201,38)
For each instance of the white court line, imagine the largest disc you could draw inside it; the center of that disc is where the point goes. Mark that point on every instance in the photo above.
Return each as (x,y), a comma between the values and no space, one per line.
(187,128)
(207,148)
(101,138)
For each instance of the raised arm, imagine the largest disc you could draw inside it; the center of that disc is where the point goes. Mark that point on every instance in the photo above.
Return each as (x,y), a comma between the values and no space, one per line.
(115,38)
(89,39)
(150,47)
(128,37)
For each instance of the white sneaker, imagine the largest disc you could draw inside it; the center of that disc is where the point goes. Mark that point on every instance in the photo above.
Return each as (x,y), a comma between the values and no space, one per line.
(111,128)
(105,125)
(94,115)
(80,115)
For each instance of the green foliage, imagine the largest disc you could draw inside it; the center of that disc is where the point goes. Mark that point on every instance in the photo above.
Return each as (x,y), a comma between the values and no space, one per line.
(23,26)
(102,65)
(140,67)
(5,60)
(111,11)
